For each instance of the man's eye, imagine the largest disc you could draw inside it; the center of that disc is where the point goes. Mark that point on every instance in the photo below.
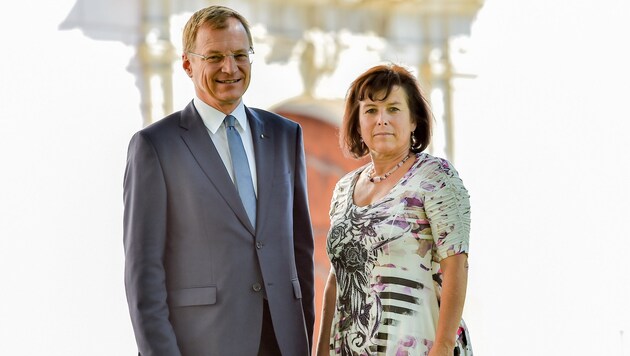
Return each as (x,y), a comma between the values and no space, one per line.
(215,58)
(240,57)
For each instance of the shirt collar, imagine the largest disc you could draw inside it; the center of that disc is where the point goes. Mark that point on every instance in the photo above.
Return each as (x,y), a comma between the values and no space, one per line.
(213,118)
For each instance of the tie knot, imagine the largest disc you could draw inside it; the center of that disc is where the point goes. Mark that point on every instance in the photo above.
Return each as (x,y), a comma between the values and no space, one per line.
(229,120)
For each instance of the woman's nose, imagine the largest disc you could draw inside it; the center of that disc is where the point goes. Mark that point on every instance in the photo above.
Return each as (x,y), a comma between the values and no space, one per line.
(382,120)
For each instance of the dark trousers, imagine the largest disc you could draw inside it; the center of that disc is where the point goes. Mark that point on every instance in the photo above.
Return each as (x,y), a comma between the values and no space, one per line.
(268,343)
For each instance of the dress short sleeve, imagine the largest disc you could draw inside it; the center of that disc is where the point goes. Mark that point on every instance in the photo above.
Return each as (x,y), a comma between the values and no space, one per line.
(447,206)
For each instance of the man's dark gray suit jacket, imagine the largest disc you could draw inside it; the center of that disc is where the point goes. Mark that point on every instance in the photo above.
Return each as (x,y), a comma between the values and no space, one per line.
(196,270)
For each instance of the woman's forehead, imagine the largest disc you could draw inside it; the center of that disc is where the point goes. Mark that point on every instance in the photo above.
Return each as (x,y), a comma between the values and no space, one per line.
(394,94)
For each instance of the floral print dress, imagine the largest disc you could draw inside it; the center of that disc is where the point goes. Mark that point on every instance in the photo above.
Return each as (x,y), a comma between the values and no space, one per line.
(386,256)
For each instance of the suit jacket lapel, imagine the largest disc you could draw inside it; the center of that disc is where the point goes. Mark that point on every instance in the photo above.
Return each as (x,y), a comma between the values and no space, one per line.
(195,136)
(265,158)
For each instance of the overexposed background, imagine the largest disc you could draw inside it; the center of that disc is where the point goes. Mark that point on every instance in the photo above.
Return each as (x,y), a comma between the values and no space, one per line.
(541,143)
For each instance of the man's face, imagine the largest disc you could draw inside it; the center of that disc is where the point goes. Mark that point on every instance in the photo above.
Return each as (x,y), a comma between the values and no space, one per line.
(222,84)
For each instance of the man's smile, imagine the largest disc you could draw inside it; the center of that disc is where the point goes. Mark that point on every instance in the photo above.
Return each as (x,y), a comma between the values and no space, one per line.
(229,81)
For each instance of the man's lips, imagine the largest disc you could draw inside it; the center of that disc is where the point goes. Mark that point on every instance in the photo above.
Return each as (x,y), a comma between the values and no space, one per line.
(228,81)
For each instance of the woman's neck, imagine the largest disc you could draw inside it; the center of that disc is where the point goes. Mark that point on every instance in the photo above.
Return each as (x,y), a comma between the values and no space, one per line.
(382,164)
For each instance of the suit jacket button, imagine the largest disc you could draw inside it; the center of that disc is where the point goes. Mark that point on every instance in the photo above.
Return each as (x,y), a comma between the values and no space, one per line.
(259,245)
(256,287)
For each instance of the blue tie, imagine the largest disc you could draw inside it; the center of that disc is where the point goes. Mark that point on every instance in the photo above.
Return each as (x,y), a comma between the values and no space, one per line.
(243,175)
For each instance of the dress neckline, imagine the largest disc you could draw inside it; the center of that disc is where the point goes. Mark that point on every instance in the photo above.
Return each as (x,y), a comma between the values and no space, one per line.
(358,172)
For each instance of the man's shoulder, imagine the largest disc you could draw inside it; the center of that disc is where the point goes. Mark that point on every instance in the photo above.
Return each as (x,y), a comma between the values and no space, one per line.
(270,117)
(164,130)
(165,123)
(173,123)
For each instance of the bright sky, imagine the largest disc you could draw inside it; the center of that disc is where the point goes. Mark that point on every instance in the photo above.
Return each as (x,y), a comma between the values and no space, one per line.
(543,141)
(541,144)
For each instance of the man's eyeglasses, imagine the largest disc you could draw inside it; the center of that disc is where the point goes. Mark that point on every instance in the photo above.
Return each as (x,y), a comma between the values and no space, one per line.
(216,58)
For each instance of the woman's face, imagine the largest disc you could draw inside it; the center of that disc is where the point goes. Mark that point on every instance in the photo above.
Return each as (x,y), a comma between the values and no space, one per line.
(386,125)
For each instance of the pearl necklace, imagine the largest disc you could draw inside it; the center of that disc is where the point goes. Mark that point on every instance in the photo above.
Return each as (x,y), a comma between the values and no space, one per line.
(379,179)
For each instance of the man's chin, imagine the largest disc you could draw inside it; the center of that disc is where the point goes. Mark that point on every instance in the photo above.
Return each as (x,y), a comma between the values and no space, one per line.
(231,96)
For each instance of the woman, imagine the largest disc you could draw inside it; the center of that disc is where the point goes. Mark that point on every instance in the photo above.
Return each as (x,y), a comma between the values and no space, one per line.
(398,241)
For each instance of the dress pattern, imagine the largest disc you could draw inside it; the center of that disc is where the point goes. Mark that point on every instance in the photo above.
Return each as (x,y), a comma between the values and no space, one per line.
(386,256)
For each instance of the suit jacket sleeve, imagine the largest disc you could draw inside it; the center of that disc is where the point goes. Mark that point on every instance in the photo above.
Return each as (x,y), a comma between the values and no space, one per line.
(144,237)
(303,238)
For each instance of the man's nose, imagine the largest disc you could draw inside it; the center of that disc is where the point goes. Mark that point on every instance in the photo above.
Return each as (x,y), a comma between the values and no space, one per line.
(229,64)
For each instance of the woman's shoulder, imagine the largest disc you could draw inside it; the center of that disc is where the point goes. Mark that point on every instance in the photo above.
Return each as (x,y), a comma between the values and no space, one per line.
(342,189)
(434,166)
(345,182)
(432,172)
(427,160)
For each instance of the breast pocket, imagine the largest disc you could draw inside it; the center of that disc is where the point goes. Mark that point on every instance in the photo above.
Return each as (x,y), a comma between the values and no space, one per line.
(281,204)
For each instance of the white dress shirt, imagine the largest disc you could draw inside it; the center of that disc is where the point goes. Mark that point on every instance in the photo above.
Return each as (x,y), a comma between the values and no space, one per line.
(213,120)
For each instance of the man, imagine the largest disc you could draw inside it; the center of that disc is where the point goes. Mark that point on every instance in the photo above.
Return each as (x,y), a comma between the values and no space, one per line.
(215,263)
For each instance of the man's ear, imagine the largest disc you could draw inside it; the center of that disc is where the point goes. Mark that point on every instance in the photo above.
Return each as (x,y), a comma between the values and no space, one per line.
(186,65)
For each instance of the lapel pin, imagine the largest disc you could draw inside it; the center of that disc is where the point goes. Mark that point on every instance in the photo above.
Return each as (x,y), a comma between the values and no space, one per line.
(262,135)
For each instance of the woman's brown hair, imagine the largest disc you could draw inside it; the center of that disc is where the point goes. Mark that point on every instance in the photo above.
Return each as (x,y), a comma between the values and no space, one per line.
(376,81)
